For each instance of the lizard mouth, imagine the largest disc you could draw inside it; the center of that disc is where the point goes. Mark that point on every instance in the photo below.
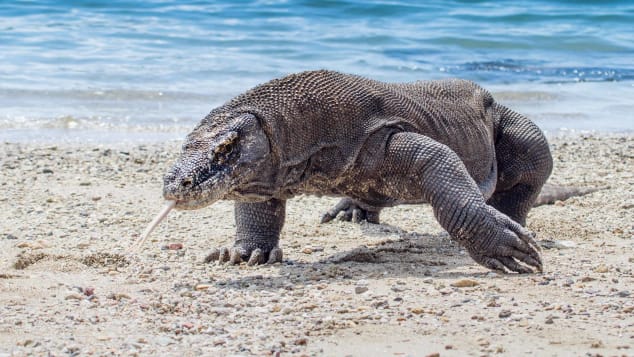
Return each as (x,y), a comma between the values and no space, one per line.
(202,195)
(193,204)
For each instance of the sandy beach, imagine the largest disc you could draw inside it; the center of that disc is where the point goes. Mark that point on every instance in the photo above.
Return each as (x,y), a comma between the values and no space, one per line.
(401,288)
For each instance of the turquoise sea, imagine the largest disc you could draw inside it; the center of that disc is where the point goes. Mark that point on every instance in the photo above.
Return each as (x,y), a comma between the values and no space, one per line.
(97,70)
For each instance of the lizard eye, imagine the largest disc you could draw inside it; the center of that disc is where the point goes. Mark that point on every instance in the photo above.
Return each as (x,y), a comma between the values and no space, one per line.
(227,146)
(224,148)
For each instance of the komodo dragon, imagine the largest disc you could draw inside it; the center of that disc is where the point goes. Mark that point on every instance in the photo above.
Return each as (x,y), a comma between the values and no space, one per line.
(447,143)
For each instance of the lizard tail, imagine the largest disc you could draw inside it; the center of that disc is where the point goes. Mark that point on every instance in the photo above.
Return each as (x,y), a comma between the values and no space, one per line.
(551,193)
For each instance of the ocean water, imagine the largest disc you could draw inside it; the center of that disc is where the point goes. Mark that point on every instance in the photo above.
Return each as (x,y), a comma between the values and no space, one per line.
(97,70)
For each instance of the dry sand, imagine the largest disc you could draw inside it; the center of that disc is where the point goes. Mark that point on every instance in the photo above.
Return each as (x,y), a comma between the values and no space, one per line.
(395,289)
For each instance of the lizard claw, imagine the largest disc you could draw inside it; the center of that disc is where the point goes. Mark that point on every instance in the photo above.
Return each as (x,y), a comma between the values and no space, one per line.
(507,247)
(275,256)
(257,257)
(237,255)
(213,256)
(223,255)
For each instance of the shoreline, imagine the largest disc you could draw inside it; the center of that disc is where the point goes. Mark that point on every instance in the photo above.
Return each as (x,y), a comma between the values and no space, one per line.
(149,115)
(131,140)
(71,211)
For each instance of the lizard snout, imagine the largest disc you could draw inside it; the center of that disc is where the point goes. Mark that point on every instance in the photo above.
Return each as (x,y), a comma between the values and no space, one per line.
(195,185)
(174,183)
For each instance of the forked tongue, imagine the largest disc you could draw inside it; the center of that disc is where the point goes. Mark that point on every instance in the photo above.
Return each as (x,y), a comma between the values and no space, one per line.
(159,217)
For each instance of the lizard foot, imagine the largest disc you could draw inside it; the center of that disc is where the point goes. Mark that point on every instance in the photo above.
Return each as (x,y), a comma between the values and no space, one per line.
(505,245)
(237,255)
(351,211)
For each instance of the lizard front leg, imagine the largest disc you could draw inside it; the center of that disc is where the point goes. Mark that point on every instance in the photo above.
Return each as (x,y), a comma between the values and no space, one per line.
(416,166)
(258,226)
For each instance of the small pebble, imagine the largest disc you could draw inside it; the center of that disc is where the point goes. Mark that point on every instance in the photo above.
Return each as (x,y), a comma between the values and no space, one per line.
(596,344)
(557,244)
(74,296)
(24,343)
(118,296)
(601,269)
(360,289)
(504,314)
(445,291)
(464,283)
(39,244)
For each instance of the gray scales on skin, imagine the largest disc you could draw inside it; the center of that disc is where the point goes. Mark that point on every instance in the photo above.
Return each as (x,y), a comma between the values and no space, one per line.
(447,143)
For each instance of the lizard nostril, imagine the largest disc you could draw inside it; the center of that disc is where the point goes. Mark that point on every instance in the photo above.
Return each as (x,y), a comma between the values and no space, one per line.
(187,181)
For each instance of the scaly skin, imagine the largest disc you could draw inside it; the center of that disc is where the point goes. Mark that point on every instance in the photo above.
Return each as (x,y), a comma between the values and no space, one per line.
(446,143)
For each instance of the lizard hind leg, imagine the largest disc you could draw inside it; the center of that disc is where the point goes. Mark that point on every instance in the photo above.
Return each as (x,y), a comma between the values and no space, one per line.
(352,211)
(524,164)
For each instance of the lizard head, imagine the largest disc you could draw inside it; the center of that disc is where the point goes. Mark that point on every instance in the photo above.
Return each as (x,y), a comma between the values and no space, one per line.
(219,158)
